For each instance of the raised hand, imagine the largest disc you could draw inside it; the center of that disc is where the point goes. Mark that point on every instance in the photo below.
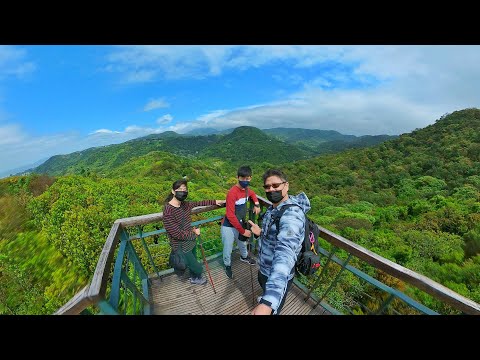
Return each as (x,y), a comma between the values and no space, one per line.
(254,228)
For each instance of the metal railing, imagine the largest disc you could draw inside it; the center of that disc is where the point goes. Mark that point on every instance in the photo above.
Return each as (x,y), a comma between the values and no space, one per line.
(344,263)
(126,288)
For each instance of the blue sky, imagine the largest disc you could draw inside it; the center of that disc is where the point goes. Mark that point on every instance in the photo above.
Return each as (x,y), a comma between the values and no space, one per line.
(59,99)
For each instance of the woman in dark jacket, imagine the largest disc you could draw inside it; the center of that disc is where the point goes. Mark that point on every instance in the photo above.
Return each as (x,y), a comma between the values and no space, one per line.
(177,219)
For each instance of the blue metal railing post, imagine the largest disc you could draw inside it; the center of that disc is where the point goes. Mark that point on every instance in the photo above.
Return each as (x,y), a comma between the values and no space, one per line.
(334,281)
(385,304)
(315,285)
(145,247)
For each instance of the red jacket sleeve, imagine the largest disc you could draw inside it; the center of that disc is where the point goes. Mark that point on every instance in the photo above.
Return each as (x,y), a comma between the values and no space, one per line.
(253,196)
(230,211)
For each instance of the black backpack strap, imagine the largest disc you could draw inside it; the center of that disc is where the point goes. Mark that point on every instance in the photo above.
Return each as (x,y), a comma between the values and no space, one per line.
(276,218)
(246,207)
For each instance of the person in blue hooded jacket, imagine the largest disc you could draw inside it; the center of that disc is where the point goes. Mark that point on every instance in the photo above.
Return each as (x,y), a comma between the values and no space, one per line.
(277,254)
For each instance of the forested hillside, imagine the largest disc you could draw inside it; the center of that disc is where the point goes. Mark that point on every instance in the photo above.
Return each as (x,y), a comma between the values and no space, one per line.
(103,159)
(243,144)
(249,144)
(414,200)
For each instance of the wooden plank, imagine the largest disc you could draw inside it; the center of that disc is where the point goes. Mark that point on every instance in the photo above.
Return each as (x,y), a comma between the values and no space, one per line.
(302,307)
(205,293)
(292,306)
(230,293)
(157,217)
(175,296)
(98,285)
(76,304)
(290,303)
(189,307)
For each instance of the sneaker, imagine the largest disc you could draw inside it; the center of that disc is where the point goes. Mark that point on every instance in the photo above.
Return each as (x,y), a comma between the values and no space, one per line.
(248,260)
(198,281)
(228,271)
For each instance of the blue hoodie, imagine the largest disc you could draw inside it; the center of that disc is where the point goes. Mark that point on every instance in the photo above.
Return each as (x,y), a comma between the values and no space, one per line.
(278,254)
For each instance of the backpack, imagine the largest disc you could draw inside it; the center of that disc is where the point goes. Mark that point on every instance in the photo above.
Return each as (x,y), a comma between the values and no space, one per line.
(308,260)
(177,259)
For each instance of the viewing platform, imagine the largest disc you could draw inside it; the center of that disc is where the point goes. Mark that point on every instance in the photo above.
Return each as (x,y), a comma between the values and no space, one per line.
(133,277)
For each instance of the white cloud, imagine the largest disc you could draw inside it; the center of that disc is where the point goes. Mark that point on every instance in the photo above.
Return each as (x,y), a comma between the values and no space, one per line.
(360,90)
(175,61)
(13,62)
(205,119)
(156,104)
(399,87)
(396,89)
(10,134)
(104,131)
(165,119)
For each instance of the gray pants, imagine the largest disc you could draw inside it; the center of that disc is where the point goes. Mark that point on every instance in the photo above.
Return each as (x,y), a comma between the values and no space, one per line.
(229,234)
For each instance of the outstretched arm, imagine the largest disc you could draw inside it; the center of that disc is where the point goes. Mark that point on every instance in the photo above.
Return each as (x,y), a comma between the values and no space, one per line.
(288,245)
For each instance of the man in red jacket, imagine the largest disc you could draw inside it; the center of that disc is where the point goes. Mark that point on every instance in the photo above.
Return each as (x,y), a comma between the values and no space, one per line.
(233,223)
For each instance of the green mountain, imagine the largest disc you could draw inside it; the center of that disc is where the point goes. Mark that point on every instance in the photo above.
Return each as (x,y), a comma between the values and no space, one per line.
(241,145)
(248,144)
(103,159)
(308,137)
(325,141)
(244,144)
(414,200)
(448,150)
(335,146)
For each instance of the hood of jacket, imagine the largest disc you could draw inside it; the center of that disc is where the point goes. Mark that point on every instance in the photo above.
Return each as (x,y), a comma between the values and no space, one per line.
(300,199)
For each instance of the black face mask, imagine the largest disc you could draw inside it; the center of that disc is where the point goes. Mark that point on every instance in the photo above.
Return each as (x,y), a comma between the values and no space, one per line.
(274,196)
(181,195)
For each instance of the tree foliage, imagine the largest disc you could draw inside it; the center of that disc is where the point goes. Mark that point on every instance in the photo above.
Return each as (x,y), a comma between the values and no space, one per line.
(414,199)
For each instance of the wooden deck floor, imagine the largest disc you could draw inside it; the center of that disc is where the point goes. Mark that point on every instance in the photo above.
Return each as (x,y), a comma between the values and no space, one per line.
(174,295)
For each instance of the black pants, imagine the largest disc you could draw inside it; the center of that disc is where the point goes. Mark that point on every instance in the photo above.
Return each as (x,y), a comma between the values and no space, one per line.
(193,265)
(262,280)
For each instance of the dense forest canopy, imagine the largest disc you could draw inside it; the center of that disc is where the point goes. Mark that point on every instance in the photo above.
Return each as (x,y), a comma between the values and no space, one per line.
(414,199)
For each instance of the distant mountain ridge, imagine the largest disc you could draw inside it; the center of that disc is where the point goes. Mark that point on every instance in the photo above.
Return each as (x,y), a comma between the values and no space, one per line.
(242,144)
(22,169)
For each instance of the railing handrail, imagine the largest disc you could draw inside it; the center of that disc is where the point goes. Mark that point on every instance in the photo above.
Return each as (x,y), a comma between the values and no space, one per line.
(76,304)
(146,219)
(409,276)
(97,288)
(95,291)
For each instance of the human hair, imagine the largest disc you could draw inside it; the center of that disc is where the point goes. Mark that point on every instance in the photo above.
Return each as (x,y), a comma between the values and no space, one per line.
(244,171)
(175,186)
(274,172)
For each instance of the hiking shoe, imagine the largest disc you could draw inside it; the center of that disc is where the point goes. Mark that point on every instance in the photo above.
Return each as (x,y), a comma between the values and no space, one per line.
(228,271)
(248,260)
(198,281)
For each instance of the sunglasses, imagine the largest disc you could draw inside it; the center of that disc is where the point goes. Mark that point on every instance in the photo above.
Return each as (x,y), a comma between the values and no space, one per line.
(275,186)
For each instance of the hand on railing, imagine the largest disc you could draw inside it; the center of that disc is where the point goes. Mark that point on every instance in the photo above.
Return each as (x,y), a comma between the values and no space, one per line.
(220,203)
(246,235)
